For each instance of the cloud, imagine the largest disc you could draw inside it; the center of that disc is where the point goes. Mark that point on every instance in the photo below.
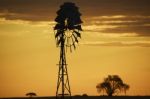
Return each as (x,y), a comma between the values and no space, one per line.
(119,24)
(138,29)
(119,44)
(24,29)
(33,10)
(100,16)
(120,20)
(44,10)
(118,7)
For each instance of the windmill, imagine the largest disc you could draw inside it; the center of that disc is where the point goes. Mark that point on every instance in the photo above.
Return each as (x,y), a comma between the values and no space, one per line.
(67,31)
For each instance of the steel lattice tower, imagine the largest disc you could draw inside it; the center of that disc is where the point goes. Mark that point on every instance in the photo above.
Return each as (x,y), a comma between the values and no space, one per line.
(67,31)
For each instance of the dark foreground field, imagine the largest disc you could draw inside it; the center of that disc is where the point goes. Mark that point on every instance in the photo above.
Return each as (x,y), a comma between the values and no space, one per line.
(87,97)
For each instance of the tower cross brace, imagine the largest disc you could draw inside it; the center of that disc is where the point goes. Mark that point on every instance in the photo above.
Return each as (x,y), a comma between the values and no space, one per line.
(63,79)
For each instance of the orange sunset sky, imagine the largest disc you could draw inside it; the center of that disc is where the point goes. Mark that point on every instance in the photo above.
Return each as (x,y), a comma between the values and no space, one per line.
(115,40)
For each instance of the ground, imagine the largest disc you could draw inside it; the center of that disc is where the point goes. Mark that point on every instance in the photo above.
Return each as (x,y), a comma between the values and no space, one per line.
(88,97)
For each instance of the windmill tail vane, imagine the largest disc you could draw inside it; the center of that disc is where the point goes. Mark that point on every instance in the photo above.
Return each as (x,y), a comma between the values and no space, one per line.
(67,31)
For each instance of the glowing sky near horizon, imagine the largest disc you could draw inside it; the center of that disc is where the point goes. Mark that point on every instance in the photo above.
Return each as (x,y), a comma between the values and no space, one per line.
(115,40)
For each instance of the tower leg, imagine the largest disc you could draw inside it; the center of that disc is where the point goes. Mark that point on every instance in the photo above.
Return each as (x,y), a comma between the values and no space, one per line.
(63,86)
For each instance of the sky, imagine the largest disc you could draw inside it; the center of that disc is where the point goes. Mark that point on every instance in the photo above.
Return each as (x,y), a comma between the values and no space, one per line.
(115,41)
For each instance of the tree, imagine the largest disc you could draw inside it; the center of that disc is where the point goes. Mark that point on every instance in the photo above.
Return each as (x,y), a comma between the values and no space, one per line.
(31,94)
(84,95)
(111,85)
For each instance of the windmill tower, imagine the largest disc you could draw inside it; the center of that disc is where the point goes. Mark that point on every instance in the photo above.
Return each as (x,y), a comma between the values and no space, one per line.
(67,32)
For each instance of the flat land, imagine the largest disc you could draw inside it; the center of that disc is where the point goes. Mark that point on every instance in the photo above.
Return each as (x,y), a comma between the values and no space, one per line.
(86,97)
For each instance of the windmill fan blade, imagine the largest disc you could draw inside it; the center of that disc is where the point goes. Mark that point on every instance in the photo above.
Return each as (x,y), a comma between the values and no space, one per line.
(70,49)
(73,42)
(59,26)
(78,27)
(68,27)
(67,41)
(75,38)
(60,19)
(59,41)
(78,20)
(58,33)
(78,34)
(74,45)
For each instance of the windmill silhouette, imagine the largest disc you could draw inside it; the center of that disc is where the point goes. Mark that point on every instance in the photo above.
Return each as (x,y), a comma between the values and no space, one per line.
(67,32)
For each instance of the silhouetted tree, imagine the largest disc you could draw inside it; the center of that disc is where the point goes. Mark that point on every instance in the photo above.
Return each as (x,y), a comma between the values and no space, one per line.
(84,95)
(111,85)
(125,88)
(31,94)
